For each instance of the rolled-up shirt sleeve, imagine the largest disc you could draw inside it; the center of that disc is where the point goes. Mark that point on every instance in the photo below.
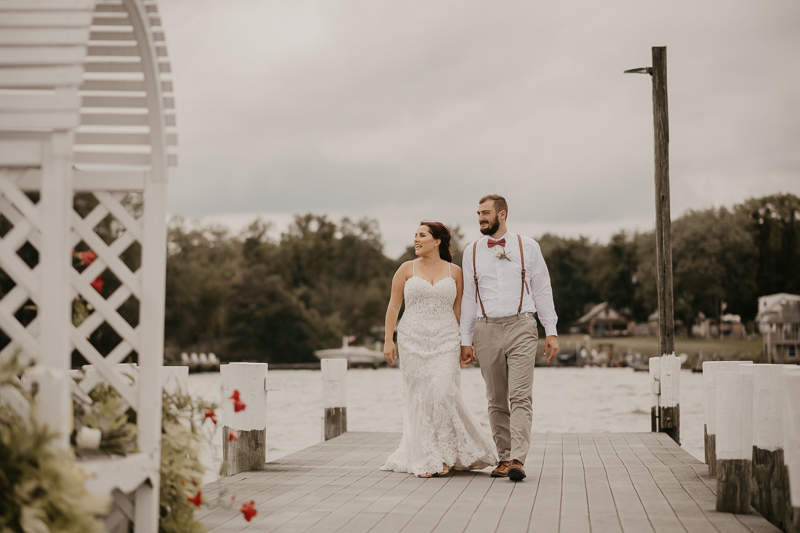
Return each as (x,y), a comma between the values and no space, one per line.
(469,307)
(541,291)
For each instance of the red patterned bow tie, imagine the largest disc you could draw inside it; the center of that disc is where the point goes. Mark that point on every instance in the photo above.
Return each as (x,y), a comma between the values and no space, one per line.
(493,243)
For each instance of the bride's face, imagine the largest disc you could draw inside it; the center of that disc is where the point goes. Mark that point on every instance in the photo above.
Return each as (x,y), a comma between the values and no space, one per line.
(424,243)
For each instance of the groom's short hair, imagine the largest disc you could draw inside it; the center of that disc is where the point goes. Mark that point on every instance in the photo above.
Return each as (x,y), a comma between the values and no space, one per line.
(500,203)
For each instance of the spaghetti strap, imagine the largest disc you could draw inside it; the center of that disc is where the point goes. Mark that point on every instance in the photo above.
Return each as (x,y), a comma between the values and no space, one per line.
(413,268)
(450,269)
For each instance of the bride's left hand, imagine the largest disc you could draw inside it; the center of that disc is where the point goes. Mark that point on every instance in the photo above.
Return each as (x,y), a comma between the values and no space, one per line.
(389,352)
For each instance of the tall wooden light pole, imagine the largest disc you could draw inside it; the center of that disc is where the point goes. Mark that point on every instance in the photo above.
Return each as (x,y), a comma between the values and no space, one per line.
(669,415)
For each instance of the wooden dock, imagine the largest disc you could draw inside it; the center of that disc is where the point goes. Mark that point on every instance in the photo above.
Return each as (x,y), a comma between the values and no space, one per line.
(593,482)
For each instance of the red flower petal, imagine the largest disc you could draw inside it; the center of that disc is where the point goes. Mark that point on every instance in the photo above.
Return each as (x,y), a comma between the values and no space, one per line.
(238,405)
(87,258)
(248,510)
(233,435)
(97,284)
(197,499)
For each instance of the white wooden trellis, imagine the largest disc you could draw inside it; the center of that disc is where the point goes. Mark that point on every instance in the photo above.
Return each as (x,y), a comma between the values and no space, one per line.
(86,106)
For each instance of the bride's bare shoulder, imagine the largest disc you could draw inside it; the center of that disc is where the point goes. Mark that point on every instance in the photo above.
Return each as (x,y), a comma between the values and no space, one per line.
(406,270)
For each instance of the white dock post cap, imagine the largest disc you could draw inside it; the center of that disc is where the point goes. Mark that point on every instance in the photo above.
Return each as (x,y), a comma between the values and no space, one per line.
(768,406)
(670,378)
(334,382)
(248,379)
(734,415)
(791,430)
(710,369)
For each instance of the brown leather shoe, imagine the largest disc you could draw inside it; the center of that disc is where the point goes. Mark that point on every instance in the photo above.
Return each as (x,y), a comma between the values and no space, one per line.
(502,469)
(515,471)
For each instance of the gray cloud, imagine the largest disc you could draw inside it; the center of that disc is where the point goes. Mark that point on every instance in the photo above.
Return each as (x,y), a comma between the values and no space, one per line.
(409,110)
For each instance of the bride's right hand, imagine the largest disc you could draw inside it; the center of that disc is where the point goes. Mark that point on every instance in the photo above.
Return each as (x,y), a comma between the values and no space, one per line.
(389,352)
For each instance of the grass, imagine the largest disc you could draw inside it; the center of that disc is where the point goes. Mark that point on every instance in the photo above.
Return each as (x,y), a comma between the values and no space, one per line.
(648,346)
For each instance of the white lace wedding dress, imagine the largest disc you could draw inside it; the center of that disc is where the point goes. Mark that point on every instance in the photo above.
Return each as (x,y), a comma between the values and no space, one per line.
(437,425)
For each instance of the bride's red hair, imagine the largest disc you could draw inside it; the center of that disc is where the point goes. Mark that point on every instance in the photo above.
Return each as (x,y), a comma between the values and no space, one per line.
(440,231)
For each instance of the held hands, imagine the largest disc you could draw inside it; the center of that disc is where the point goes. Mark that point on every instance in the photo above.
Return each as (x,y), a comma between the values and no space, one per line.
(467,356)
(550,343)
(389,352)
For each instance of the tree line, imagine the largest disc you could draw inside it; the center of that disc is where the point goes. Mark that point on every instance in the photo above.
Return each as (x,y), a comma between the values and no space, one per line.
(248,296)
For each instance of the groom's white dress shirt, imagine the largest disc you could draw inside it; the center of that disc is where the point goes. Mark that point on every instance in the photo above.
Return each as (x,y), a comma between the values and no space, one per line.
(499,282)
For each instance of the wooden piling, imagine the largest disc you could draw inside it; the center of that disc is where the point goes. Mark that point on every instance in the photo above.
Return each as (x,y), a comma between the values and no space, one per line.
(770,484)
(248,450)
(654,367)
(665,409)
(666,319)
(334,397)
(710,369)
(734,443)
(791,443)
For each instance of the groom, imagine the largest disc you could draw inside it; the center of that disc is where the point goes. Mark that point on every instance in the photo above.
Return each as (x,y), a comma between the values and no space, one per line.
(505,283)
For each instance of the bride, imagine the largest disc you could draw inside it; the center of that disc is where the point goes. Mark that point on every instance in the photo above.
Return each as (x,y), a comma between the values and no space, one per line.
(439,432)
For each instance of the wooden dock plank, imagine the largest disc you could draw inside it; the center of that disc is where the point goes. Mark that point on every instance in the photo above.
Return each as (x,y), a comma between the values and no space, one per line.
(460,513)
(517,514)
(598,483)
(547,506)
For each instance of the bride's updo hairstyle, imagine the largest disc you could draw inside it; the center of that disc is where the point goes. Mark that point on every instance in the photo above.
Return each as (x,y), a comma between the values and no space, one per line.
(440,231)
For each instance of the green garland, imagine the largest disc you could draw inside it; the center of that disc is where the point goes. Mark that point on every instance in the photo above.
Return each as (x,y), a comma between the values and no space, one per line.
(182,440)
(42,489)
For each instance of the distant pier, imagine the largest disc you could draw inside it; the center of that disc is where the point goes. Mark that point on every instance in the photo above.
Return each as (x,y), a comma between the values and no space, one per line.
(592,482)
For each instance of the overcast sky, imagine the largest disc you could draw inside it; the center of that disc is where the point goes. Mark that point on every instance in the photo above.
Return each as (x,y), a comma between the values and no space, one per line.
(413,109)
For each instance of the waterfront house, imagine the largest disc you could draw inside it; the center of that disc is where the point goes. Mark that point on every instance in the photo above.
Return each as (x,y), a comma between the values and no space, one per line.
(602,321)
(779,323)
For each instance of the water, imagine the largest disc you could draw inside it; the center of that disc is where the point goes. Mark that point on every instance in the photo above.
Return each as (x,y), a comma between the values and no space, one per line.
(565,400)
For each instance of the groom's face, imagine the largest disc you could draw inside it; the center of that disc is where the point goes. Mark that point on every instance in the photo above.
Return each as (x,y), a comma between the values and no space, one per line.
(487,218)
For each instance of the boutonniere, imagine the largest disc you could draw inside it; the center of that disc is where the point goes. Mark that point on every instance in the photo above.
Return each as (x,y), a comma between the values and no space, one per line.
(500,253)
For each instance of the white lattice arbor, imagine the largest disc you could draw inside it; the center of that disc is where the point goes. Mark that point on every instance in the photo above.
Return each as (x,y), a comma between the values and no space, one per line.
(86,133)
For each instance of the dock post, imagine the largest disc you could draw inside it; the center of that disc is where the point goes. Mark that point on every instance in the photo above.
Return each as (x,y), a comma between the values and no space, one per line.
(791,443)
(334,396)
(710,369)
(665,407)
(734,441)
(770,489)
(669,404)
(246,449)
(654,367)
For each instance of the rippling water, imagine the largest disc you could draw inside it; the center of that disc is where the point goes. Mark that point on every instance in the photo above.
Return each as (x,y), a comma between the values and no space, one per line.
(565,400)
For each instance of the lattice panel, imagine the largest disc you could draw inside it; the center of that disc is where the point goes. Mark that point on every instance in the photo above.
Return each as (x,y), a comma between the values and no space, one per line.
(22,214)
(123,230)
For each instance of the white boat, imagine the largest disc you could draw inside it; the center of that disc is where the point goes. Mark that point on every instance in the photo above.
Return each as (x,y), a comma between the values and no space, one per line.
(355,355)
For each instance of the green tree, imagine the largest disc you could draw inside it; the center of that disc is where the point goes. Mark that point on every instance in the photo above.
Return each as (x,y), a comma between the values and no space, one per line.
(201,265)
(774,222)
(569,264)
(268,323)
(713,258)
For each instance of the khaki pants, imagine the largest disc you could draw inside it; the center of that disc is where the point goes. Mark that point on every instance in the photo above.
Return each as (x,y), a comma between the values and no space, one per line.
(506,350)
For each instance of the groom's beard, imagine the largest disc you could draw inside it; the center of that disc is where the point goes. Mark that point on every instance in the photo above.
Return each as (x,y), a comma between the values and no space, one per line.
(492,228)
